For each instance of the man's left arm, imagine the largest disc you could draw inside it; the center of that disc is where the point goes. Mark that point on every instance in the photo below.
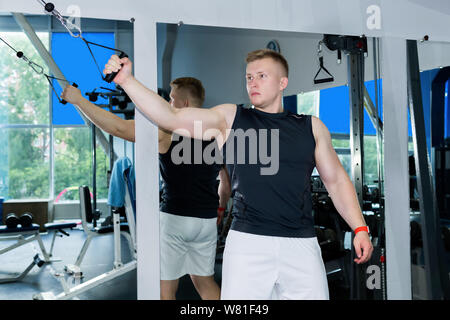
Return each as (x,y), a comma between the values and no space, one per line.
(340,188)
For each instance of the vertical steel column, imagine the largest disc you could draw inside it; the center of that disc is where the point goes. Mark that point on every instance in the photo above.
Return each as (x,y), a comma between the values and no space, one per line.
(356,74)
(436,272)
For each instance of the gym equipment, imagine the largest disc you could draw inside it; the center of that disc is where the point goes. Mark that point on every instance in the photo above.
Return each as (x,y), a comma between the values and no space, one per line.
(50,9)
(322,67)
(58,228)
(436,266)
(128,230)
(36,262)
(12,221)
(22,236)
(26,220)
(40,71)
(113,100)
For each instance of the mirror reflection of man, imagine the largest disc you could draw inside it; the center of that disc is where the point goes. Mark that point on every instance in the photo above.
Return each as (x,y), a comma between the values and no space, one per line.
(271,249)
(191,207)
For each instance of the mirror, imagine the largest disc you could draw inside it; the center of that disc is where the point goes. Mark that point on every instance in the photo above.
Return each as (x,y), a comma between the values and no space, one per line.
(47,147)
(216,56)
(430,236)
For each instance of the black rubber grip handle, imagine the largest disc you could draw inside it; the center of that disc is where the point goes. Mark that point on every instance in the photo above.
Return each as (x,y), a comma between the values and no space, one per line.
(73,85)
(110,77)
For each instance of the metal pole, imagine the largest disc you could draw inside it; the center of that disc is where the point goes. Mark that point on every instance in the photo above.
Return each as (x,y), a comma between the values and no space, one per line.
(356,74)
(379,137)
(94,175)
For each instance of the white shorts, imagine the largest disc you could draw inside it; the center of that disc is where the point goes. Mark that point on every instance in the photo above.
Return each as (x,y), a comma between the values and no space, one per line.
(259,267)
(187,246)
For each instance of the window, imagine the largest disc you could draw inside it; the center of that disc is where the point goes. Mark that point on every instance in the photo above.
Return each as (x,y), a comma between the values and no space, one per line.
(308,103)
(46,147)
(73,139)
(24,121)
(73,164)
(335,113)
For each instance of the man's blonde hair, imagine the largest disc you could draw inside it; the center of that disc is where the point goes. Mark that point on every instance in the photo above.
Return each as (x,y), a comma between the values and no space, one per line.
(267,53)
(193,87)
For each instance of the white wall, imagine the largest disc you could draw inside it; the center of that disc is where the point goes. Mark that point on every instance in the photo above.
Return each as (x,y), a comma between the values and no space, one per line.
(216,56)
(402,19)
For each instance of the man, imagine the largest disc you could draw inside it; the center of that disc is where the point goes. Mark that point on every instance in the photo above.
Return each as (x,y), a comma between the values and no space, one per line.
(190,200)
(271,249)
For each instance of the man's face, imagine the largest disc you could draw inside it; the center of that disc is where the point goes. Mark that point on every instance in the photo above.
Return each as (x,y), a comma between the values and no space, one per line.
(265,81)
(177,98)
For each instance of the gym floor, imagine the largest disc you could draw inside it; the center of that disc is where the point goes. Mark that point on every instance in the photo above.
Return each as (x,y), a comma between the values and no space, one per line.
(98,260)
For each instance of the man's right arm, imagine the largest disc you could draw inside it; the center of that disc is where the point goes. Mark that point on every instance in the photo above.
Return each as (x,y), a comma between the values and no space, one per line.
(103,119)
(197,123)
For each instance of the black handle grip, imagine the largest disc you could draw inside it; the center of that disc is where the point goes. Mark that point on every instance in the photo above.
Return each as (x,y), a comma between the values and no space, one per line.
(110,77)
(64,101)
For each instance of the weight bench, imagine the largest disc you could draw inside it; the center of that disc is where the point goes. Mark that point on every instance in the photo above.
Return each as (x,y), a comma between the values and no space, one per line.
(87,217)
(128,230)
(58,228)
(24,235)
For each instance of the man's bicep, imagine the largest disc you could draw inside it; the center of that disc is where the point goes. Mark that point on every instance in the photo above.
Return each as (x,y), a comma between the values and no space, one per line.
(327,161)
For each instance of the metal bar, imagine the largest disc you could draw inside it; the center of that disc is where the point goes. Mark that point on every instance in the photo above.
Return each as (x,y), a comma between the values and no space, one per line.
(116,236)
(379,137)
(20,242)
(436,273)
(84,249)
(372,111)
(396,177)
(131,218)
(356,75)
(73,292)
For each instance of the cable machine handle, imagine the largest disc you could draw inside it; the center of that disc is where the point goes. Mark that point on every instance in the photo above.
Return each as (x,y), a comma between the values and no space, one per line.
(64,101)
(110,77)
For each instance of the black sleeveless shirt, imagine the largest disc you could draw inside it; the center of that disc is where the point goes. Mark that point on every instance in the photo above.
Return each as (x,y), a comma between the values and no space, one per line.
(190,185)
(272,194)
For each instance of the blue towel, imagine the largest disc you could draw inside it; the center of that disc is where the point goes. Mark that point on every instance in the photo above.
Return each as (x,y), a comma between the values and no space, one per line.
(116,193)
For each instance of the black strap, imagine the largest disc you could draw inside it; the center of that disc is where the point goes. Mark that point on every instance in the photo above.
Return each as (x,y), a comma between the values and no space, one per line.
(324,80)
(62,101)
(34,66)
(102,46)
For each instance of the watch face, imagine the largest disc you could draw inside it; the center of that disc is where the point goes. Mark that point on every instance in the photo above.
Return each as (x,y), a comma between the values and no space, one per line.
(273,45)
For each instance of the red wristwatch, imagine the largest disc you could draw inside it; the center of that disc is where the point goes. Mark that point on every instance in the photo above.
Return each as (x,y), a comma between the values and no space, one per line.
(364,228)
(221,209)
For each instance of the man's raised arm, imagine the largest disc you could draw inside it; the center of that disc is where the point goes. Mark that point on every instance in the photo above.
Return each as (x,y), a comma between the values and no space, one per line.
(103,119)
(193,122)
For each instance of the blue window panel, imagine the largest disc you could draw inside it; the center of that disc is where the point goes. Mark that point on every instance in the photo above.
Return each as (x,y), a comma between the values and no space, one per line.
(426,79)
(76,63)
(370,86)
(335,110)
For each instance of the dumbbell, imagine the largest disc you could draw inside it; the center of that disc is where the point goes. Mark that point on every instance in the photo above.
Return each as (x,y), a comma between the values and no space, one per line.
(26,220)
(12,220)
